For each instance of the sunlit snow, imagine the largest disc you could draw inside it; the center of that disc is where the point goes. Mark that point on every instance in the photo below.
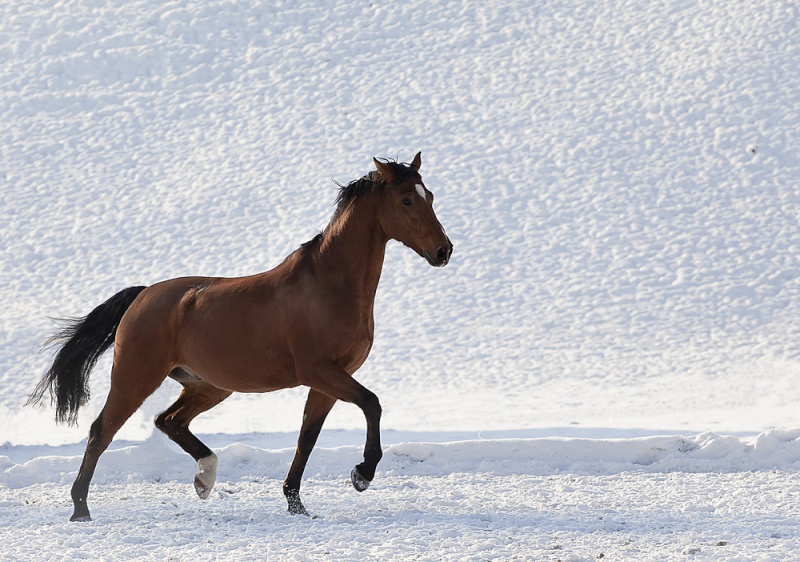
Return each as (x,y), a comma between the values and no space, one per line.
(608,366)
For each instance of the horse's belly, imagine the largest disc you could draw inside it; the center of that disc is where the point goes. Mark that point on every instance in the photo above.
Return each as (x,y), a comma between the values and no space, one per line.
(242,370)
(253,382)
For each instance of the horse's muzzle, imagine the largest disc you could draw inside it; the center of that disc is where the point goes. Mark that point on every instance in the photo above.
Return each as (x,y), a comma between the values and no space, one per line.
(443,254)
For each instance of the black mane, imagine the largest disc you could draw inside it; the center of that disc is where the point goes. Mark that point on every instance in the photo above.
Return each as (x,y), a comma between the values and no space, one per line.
(356,188)
(371,182)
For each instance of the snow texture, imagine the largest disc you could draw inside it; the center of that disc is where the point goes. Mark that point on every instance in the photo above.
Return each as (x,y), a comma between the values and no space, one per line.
(608,366)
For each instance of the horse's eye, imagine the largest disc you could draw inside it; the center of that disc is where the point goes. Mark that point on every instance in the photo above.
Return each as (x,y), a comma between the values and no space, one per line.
(406,202)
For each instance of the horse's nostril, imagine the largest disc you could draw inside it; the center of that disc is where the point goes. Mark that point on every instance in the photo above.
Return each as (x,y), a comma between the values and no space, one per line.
(442,254)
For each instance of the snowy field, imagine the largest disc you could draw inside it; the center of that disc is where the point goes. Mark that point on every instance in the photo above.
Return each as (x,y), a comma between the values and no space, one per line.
(608,368)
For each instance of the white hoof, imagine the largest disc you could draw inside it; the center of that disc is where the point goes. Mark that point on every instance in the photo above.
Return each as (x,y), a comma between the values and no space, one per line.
(205,479)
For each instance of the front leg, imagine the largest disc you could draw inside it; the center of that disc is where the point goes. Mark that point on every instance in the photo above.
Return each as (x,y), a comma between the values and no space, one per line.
(317,407)
(336,383)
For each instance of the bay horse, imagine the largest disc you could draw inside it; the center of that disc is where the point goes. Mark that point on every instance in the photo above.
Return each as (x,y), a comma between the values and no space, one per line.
(308,321)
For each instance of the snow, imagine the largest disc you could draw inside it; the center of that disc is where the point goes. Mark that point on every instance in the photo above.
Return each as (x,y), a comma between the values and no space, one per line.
(607,366)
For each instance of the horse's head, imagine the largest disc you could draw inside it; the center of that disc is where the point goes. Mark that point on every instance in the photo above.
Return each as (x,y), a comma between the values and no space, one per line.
(406,212)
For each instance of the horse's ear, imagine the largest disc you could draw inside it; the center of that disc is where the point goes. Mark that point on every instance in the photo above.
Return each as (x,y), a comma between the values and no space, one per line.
(416,162)
(384,169)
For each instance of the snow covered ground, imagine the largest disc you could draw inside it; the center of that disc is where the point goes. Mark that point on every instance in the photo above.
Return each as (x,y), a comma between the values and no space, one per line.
(607,368)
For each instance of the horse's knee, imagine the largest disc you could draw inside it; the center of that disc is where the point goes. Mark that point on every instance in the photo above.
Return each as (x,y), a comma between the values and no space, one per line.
(161,422)
(166,423)
(371,405)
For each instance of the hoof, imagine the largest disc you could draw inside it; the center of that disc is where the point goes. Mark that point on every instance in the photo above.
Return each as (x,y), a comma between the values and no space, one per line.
(81,518)
(296,506)
(202,490)
(205,479)
(299,510)
(359,482)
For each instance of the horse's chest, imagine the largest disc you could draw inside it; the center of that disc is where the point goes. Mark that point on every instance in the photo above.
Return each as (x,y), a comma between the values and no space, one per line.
(356,358)
(354,345)
(341,329)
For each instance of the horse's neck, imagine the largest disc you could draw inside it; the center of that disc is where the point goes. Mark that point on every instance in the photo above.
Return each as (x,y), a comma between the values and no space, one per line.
(352,250)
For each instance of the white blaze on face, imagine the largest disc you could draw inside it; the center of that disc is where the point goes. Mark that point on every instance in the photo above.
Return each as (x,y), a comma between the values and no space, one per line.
(424,195)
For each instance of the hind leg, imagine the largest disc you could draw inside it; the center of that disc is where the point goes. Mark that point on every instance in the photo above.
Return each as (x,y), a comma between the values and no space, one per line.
(122,402)
(196,398)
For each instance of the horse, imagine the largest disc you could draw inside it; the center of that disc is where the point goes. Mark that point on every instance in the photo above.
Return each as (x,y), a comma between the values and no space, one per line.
(307,322)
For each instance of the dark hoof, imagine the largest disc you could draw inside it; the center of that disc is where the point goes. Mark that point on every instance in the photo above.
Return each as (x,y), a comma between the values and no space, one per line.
(359,482)
(299,510)
(296,506)
(80,518)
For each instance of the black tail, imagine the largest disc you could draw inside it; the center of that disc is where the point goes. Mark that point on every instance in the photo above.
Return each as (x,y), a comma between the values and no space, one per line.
(84,341)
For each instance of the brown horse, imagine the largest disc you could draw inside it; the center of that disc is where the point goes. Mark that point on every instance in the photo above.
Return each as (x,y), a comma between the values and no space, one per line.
(307,322)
